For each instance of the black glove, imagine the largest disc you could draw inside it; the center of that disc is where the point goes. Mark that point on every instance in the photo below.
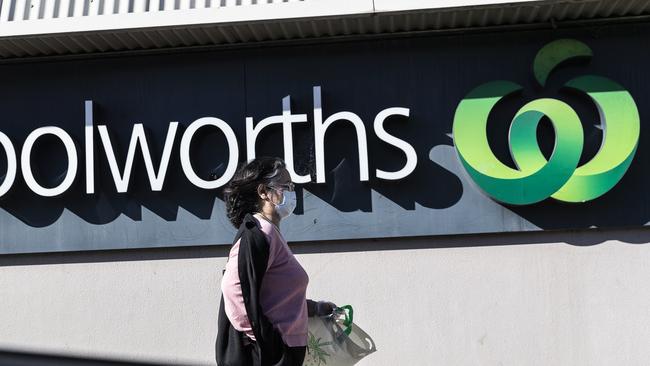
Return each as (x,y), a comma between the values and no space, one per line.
(320,308)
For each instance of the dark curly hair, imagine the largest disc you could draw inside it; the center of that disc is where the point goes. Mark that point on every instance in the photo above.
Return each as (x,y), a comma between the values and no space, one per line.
(240,195)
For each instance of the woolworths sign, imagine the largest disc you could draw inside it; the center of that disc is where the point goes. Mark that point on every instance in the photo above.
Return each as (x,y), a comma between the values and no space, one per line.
(389,138)
(535,178)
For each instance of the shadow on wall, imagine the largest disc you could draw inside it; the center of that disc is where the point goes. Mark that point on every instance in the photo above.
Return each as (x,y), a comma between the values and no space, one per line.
(583,237)
(8,357)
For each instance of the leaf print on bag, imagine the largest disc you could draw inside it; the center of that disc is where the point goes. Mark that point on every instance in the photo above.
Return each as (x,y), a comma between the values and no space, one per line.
(316,356)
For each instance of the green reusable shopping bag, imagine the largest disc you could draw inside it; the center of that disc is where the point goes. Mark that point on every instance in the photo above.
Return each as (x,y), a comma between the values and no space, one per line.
(336,341)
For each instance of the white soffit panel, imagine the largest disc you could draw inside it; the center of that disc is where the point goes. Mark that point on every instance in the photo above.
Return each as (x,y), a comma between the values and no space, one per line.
(30,28)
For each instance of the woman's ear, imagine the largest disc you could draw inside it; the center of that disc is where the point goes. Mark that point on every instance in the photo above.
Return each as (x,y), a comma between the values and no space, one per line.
(261,191)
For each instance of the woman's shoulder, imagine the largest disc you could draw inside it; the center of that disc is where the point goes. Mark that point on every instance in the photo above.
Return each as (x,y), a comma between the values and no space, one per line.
(255,226)
(265,226)
(271,235)
(271,232)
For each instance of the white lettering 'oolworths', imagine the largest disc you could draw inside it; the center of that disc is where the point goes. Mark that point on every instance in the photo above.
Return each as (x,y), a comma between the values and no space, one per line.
(156,176)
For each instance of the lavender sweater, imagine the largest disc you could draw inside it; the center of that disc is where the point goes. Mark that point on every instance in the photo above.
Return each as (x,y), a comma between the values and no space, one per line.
(282,293)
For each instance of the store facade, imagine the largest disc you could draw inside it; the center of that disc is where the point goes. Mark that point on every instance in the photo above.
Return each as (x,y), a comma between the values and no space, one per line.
(473,194)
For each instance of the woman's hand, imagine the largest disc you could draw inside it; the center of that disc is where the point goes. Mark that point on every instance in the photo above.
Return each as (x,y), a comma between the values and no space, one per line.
(320,308)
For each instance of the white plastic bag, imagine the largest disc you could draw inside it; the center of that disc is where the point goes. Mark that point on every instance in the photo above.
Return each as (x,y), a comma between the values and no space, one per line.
(336,341)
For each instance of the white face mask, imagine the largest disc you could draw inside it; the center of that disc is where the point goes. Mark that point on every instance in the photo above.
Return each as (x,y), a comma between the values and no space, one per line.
(288,204)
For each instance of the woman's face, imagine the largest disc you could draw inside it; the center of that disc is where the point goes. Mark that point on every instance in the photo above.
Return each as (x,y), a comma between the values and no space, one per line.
(273,194)
(280,184)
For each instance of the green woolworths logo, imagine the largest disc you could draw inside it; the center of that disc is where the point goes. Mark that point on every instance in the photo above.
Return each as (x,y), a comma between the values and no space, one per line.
(537,178)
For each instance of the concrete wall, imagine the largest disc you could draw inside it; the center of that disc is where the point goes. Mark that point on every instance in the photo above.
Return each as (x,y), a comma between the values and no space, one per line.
(560,298)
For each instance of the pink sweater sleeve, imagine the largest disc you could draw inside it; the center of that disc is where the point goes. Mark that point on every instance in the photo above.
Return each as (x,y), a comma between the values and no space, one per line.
(233,299)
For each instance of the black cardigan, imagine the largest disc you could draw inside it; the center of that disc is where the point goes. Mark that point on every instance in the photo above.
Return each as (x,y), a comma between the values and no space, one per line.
(253,260)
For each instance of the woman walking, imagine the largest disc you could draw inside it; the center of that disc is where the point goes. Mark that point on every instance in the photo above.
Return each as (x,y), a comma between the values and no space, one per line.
(264,310)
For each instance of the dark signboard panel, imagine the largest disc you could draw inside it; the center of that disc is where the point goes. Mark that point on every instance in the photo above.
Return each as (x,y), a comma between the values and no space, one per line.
(427,75)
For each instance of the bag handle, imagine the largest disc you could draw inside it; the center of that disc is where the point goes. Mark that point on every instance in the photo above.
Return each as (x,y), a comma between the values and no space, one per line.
(348,315)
